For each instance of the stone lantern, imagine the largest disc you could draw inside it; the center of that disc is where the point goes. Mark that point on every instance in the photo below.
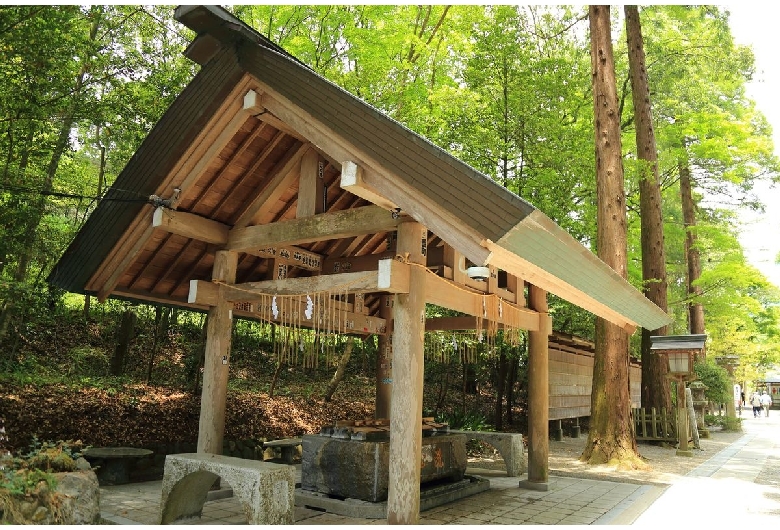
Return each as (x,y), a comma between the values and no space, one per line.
(729,362)
(699,405)
(679,351)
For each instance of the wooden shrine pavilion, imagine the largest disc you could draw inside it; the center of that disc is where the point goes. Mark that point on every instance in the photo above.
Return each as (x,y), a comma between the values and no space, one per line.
(276,195)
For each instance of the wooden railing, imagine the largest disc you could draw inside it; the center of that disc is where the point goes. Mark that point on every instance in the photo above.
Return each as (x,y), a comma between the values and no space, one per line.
(655,425)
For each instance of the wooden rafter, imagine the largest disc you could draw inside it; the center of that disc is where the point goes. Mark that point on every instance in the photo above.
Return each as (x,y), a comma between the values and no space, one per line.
(190,271)
(231,159)
(172,265)
(374,178)
(283,175)
(212,139)
(149,262)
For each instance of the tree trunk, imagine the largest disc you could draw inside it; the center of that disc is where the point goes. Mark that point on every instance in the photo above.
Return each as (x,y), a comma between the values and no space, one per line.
(610,437)
(123,337)
(275,378)
(470,378)
(500,379)
(695,309)
(510,389)
(200,355)
(101,180)
(655,388)
(63,138)
(339,375)
(160,323)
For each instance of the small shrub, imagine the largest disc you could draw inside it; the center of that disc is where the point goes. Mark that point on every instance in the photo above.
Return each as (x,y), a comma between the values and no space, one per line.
(88,360)
(725,422)
(22,474)
(469,421)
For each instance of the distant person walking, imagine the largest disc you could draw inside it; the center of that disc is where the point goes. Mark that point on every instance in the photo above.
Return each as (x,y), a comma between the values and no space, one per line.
(766,402)
(755,402)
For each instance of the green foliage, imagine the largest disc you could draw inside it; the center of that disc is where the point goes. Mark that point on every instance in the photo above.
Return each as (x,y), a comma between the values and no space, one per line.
(22,474)
(717,380)
(466,421)
(88,361)
(727,423)
(505,88)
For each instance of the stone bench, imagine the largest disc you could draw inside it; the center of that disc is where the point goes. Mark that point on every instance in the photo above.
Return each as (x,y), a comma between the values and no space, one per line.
(287,446)
(509,445)
(265,490)
(113,463)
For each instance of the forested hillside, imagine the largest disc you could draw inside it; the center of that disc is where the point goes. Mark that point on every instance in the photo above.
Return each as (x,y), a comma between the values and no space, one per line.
(507,89)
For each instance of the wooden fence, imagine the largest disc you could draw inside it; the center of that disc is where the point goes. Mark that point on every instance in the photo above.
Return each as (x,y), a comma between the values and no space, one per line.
(661,426)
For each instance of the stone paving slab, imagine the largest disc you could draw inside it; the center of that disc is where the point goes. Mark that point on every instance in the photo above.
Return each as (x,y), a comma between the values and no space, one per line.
(748,466)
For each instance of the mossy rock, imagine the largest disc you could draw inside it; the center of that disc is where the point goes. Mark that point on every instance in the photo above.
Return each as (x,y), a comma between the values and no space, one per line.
(53,459)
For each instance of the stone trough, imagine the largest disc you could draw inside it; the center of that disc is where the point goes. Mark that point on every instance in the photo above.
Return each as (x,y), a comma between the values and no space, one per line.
(344,470)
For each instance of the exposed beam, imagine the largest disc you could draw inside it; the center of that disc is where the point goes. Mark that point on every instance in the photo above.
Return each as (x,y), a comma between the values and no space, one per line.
(253,104)
(227,165)
(354,264)
(292,255)
(225,122)
(335,225)
(190,225)
(444,293)
(352,181)
(376,180)
(214,147)
(392,277)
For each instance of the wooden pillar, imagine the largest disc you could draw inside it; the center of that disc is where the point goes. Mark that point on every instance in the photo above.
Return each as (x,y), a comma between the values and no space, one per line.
(538,394)
(215,368)
(403,496)
(384,362)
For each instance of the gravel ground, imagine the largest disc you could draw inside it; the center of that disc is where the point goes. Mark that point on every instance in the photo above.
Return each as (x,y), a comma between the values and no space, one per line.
(665,465)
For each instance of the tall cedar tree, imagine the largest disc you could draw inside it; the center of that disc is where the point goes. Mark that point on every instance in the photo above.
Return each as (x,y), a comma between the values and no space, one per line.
(655,388)
(610,438)
(695,308)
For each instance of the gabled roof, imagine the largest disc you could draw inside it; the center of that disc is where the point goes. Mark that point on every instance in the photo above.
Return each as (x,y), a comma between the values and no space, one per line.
(231,141)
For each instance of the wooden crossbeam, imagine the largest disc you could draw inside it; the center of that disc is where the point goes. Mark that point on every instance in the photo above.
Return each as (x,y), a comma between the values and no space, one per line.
(392,276)
(354,264)
(190,225)
(444,293)
(332,225)
(292,255)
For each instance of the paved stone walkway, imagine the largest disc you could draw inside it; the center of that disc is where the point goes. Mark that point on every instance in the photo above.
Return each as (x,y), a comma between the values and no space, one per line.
(739,484)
